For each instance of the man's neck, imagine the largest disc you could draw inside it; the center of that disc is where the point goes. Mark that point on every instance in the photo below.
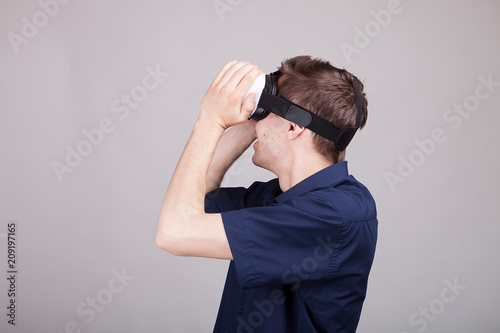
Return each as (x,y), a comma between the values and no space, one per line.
(301,168)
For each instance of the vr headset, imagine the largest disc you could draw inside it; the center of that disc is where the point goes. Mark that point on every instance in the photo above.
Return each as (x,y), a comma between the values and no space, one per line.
(266,89)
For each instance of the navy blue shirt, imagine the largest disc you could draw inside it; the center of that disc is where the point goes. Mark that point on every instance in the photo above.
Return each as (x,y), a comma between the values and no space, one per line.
(301,258)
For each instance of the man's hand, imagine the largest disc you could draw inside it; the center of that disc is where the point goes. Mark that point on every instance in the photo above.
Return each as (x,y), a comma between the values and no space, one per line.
(221,104)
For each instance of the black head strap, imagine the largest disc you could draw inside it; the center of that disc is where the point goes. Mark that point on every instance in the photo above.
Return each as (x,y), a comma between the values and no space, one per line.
(302,117)
(346,134)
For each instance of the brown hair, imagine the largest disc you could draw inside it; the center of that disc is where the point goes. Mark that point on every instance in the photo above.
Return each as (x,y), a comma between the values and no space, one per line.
(325,90)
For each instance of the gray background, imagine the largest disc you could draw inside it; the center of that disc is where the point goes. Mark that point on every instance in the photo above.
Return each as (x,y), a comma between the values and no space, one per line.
(74,234)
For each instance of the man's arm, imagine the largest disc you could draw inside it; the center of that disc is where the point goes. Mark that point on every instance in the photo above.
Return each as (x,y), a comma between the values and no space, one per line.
(183,226)
(231,145)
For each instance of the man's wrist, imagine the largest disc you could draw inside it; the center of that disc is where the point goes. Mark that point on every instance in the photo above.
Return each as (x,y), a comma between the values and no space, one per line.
(209,126)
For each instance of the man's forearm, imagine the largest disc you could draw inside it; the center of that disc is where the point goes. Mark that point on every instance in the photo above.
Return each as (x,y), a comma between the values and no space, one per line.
(188,183)
(231,145)
(186,192)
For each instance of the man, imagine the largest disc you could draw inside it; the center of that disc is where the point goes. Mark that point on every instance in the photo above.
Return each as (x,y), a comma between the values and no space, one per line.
(301,246)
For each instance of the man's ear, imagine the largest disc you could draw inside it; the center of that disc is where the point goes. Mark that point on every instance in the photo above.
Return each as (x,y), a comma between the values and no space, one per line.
(294,131)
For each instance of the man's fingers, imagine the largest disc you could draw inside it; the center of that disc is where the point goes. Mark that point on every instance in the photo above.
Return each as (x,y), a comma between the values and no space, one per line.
(248,79)
(230,72)
(236,80)
(223,70)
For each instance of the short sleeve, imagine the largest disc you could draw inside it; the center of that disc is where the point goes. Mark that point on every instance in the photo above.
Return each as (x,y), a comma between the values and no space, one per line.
(291,243)
(224,199)
(234,198)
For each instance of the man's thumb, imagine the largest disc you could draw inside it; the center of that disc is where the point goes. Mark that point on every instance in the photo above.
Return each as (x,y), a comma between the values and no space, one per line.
(249,103)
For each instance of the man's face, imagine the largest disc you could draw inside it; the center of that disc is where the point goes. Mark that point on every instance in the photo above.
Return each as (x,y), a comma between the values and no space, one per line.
(271,142)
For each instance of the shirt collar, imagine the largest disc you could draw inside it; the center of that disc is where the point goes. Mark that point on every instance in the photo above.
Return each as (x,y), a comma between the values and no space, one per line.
(324,178)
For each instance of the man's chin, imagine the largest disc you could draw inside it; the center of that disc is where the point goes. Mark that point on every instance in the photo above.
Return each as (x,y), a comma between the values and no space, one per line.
(256,161)
(261,164)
